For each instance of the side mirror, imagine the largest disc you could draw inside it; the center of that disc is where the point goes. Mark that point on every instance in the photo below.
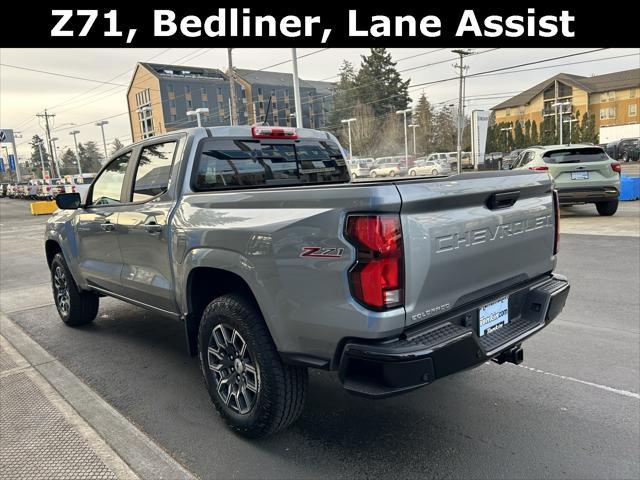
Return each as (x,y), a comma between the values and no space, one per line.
(68,201)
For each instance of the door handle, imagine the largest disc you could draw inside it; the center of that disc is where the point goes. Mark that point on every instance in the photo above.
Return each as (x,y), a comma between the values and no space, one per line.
(108,226)
(153,228)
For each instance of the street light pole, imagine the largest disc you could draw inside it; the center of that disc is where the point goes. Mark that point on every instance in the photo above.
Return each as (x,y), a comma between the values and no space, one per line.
(406,140)
(570,122)
(54,153)
(232,90)
(296,89)
(348,122)
(414,126)
(561,105)
(75,141)
(41,157)
(197,113)
(101,124)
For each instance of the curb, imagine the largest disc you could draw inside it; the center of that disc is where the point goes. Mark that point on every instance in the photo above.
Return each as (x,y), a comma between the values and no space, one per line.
(141,454)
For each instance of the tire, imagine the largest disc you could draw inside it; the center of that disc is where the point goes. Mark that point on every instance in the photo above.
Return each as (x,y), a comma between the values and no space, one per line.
(354,176)
(374,174)
(265,395)
(76,307)
(392,173)
(606,209)
(412,173)
(434,172)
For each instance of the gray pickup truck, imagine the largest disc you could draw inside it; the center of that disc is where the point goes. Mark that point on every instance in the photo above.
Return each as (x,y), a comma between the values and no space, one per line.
(256,240)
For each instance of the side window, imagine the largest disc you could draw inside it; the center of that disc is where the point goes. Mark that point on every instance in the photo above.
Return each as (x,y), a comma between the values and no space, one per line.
(108,186)
(154,169)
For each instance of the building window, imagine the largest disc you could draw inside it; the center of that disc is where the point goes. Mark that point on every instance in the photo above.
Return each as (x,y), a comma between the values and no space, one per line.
(508,112)
(632,93)
(187,89)
(612,112)
(219,90)
(260,106)
(172,103)
(189,104)
(170,88)
(604,97)
(633,110)
(205,104)
(286,92)
(172,118)
(273,92)
(521,110)
(603,113)
(612,96)
(259,91)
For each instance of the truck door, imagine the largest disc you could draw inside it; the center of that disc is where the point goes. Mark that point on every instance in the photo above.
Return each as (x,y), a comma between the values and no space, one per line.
(142,229)
(96,228)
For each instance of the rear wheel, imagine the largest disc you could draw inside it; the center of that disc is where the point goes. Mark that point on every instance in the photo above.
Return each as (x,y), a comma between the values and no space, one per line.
(374,174)
(74,306)
(413,173)
(252,389)
(392,173)
(354,176)
(625,157)
(434,172)
(607,209)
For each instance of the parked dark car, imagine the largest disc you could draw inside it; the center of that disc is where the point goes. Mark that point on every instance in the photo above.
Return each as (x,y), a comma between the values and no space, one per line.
(626,149)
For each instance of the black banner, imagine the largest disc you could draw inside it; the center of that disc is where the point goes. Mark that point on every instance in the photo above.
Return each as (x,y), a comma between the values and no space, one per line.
(312,24)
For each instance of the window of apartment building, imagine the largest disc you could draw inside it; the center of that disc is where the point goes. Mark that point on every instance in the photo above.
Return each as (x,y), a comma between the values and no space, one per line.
(521,110)
(259,91)
(611,112)
(172,118)
(189,104)
(170,88)
(143,97)
(205,104)
(187,89)
(603,113)
(286,92)
(507,112)
(273,92)
(172,104)
(260,105)
(203,91)
(632,92)
(633,110)
(612,96)
(219,90)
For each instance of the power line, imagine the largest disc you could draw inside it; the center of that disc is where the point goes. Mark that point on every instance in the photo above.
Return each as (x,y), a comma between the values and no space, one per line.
(61,75)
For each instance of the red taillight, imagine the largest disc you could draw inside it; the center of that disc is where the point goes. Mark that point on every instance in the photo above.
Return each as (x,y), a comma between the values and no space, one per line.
(539,168)
(274,132)
(556,212)
(616,167)
(377,277)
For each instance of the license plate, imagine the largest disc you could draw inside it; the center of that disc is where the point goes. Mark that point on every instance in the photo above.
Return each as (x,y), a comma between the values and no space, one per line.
(493,316)
(579,175)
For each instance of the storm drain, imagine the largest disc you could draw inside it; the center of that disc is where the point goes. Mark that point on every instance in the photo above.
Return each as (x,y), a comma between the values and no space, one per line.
(36,440)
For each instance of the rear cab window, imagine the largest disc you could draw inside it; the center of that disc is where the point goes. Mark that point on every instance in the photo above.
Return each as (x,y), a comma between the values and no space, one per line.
(575,155)
(230,163)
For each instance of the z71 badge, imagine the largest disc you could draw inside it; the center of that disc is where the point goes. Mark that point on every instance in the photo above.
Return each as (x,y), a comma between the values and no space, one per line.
(322,252)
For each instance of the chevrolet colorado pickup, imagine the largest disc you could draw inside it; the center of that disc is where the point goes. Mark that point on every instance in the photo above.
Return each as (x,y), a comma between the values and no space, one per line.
(256,240)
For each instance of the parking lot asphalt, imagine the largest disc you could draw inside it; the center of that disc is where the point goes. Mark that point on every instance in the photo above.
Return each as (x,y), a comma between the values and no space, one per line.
(572,410)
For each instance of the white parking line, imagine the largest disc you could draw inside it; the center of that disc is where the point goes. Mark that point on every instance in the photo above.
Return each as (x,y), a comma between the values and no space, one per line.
(624,393)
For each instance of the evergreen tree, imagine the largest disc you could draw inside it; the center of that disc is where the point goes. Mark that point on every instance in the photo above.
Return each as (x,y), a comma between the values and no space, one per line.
(34,160)
(423,116)
(68,163)
(527,134)
(518,136)
(90,157)
(116,145)
(343,99)
(379,82)
(535,139)
(588,132)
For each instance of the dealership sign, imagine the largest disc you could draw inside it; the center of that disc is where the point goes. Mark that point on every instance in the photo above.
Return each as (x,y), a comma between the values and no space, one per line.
(479,127)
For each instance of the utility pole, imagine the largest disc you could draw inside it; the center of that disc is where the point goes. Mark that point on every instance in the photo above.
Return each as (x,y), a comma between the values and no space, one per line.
(296,88)
(232,87)
(47,130)
(570,122)
(101,124)
(461,68)
(75,142)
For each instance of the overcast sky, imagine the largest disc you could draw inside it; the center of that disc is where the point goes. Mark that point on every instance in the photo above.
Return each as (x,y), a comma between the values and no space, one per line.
(83,102)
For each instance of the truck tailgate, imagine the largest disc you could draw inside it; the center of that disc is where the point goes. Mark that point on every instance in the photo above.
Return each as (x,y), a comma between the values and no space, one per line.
(473,235)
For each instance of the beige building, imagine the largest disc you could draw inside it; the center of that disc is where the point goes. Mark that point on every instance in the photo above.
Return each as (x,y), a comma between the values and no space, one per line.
(612,98)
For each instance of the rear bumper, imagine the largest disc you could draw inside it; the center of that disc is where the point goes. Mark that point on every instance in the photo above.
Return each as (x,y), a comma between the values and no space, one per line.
(424,354)
(587,195)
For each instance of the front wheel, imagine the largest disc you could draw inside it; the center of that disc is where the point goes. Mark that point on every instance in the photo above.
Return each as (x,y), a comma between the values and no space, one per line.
(434,172)
(254,392)
(413,173)
(374,174)
(75,307)
(625,157)
(607,209)
(392,173)
(354,176)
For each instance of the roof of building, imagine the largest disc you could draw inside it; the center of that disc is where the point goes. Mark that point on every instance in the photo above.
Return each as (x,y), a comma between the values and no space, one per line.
(186,72)
(281,79)
(595,84)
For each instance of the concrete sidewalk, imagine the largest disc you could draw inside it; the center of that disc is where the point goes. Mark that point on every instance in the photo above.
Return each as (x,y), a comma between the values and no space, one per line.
(52,426)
